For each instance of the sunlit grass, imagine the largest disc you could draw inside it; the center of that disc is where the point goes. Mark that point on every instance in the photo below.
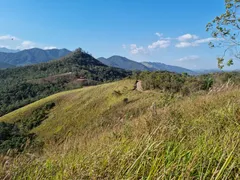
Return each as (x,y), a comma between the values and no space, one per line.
(93,134)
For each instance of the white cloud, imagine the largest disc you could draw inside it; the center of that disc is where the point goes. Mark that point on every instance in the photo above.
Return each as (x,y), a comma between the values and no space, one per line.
(159,34)
(8,37)
(188,58)
(195,43)
(136,50)
(124,46)
(4,46)
(206,40)
(159,44)
(49,47)
(187,37)
(27,45)
(185,44)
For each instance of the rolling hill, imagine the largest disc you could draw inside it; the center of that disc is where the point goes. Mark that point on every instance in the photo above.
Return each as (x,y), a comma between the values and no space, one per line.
(32,56)
(22,85)
(110,131)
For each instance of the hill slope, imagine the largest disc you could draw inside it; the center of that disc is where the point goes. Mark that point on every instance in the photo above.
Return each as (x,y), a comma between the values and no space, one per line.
(5,65)
(32,56)
(95,133)
(124,63)
(22,85)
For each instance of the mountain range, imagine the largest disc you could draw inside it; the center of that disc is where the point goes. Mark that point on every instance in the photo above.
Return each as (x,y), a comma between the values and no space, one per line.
(11,58)
(6,50)
(32,56)
(22,85)
(124,63)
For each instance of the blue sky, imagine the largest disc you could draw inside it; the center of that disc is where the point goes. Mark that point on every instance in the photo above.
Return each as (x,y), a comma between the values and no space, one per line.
(172,32)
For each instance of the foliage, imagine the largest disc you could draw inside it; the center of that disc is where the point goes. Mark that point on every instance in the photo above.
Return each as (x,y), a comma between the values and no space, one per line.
(23,85)
(16,135)
(225,30)
(175,83)
(92,134)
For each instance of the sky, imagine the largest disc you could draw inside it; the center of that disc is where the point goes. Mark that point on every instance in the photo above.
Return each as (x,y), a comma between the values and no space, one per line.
(167,31)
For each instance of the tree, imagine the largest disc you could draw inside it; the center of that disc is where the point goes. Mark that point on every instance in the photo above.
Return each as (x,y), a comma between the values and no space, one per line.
(225,29)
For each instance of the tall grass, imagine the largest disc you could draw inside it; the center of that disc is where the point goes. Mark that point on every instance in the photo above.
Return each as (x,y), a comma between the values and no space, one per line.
(94,134)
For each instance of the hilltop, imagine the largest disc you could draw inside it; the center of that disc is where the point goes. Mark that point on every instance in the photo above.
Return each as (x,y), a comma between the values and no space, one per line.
(22,85)
(111,131)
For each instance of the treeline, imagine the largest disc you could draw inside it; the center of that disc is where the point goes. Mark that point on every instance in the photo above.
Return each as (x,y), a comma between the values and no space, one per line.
(16,136)
(23,85)
(184,83)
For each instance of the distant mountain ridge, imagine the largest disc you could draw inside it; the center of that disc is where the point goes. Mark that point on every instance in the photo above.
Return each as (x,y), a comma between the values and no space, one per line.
(124,63)
(6,50)
(22,85)
(157,66)
(32,56)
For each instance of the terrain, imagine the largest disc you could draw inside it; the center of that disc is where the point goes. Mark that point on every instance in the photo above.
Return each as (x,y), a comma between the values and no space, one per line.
(112,131)
(6,50)
(156,66)
(31,56)
(5,65)
(124,63)
(23,85)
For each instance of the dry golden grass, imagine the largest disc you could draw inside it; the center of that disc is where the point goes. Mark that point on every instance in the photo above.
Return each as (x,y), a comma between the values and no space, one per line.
(92,133)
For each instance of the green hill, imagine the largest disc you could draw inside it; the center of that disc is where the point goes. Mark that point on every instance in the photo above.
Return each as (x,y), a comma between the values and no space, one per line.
(23,85)
(110,131)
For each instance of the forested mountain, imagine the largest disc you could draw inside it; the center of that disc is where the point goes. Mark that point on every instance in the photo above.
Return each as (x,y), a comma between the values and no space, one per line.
(32,56)
(124,63)
(5,65)
(22,85)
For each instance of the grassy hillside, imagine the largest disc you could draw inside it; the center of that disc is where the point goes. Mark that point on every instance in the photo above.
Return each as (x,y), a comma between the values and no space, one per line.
(112,132)
(23,85)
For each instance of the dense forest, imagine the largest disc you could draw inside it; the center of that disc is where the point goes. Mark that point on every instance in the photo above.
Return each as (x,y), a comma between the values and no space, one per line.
(23,85)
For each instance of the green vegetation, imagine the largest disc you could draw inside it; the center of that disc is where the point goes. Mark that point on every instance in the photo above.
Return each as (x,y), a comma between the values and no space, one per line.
(225,29)
(23,85)
(110,131)
(185,84)
(16,136)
